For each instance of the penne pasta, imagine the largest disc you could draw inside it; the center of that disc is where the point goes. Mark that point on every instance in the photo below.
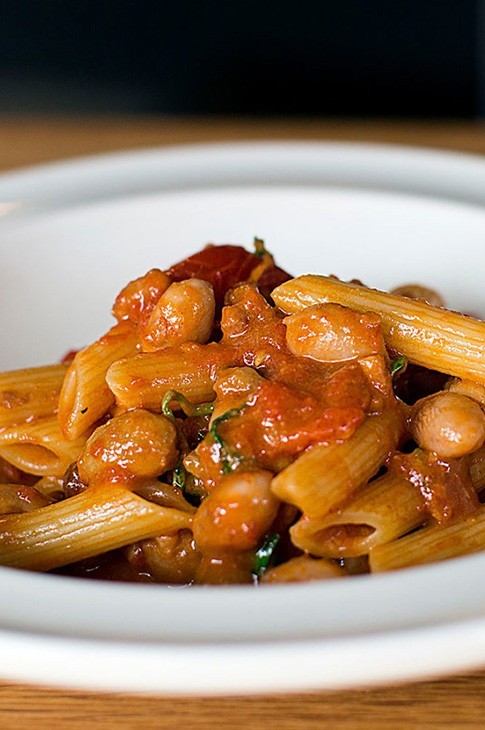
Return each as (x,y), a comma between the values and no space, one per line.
(431,544)
(99,519)
(85,395)
(328,475)
(190,369)
(429,336)
(30,393)
(39,447)
(386,509)
(206,438)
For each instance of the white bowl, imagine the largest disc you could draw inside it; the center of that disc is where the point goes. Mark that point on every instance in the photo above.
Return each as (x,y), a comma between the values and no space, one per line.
(71,235)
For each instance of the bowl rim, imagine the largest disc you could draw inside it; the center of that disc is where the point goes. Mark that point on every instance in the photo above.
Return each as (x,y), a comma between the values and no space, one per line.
(446,594)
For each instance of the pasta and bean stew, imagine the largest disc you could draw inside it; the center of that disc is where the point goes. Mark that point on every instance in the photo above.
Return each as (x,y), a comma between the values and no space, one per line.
(239,426)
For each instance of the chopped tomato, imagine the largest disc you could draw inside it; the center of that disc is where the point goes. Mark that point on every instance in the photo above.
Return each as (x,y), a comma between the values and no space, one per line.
(279,422)
(224,267)
(446,487)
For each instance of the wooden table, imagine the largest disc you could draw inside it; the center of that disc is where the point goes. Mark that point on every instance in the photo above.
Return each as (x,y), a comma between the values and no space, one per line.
(457,702)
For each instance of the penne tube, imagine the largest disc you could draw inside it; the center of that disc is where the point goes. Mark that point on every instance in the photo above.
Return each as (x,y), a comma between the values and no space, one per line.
(431,544)
(85,395)
(274,435)
(190,369)
(327,475)
(429,336)
(383,511)
(39,447)
(30,393)
(101,518)
(386,509)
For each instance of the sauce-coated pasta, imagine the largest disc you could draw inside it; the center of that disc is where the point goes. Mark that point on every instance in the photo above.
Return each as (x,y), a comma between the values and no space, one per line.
(239,426)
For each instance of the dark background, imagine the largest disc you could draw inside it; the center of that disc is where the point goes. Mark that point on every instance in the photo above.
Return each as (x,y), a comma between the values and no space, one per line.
(421,58)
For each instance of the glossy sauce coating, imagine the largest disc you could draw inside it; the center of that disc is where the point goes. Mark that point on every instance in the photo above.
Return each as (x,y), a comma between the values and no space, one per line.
(227,399)
(237,513)
(135,445)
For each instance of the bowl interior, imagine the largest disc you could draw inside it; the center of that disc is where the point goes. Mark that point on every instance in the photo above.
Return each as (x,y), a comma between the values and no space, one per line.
(61,270)
(66,252)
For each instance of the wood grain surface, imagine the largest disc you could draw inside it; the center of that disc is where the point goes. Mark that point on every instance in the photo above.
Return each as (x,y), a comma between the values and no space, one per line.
(443,705)
(455,702)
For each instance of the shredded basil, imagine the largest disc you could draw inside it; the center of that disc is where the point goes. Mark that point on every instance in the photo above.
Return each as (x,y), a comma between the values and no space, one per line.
(203,409)
(178,479)
(229,461)
(264,557)
(224,417)
(259,247)
(181,480)
(398,365)
(190,409)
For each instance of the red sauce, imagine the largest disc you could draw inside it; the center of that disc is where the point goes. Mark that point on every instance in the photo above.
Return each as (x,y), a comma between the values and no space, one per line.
(446,487)
(279,422)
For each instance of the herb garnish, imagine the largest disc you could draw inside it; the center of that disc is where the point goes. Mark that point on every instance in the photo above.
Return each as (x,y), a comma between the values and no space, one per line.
(179,474)
(178,479)
(190,409)
(264,557)
(259,247)
(398,365)
(229,461)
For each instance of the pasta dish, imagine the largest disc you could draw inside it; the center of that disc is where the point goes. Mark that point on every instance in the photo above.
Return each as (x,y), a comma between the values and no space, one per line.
(237,425)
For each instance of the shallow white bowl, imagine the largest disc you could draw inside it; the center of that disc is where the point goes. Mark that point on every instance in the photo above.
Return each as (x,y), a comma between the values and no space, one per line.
(71,234)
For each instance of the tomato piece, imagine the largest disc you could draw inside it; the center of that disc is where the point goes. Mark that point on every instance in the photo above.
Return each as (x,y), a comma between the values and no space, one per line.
(279,422)
(222,266)
(446,487)
(225,266)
